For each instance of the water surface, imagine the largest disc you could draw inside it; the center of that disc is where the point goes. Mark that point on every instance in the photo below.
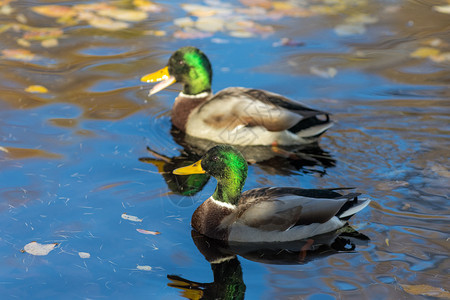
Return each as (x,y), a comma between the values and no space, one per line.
(75,159)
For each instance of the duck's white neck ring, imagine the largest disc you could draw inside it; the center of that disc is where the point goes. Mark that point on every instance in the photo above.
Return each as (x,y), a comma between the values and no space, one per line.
(201,95)
(223,204)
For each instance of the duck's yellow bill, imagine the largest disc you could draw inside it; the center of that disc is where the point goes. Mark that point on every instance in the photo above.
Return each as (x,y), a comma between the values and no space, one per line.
(161,75)
(195,168)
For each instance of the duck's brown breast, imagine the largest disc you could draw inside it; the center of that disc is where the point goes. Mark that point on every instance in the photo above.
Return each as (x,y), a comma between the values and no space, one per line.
(207,220)
(183,107)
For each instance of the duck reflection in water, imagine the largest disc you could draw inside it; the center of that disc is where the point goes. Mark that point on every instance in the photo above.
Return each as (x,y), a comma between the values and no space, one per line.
(227,271)
(273,160)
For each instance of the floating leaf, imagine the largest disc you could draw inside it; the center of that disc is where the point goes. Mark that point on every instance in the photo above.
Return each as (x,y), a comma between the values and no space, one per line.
(155,32)
(148,6)
(107,24)
(84,254)
(93,6)
(184,22)
(124,14)
(199,10)
(191,34)
(260,3)
(23,42)
(43,34)
(18,54)
(423,52)
(361,19)
(36,89)
(144,268)
(387,242)
(6,9)
(54,11)
(131,218)
(143,231)
(425,290)
(210,24)
(36,248)
(49,43)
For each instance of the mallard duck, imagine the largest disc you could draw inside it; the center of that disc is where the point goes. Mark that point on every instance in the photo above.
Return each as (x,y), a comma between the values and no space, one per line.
(268,214)
(235,115)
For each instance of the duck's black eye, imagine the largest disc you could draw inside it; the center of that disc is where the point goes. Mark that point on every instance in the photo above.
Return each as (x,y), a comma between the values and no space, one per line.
(181,62)
(215,158)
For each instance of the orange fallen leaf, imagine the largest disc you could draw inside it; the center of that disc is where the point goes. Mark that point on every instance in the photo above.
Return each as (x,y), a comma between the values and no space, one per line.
(43,34)
(54,11)
(143,231)
(124,14)
(18,54)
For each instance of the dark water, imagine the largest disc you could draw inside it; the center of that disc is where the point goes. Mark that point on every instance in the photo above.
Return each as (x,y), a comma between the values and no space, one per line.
(75,159)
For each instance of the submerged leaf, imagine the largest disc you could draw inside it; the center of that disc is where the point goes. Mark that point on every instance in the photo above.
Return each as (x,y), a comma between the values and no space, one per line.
(131,218)
(36,248)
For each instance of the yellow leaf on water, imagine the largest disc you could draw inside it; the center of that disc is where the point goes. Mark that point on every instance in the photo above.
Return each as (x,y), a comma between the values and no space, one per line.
(282,5)
(124,14)
(54,11)
(49,43)
(23,42)
(38,249)
(36,89)
(425,290)
(107,24)
(155,32)
(423,52)
(387,242)
(148,6)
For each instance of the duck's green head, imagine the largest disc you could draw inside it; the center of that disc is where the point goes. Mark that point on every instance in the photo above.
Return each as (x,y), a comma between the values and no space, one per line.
(189,66)
(227,165)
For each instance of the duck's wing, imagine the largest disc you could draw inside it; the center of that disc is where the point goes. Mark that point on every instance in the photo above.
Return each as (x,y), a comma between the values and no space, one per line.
(238,106)
(282,208)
